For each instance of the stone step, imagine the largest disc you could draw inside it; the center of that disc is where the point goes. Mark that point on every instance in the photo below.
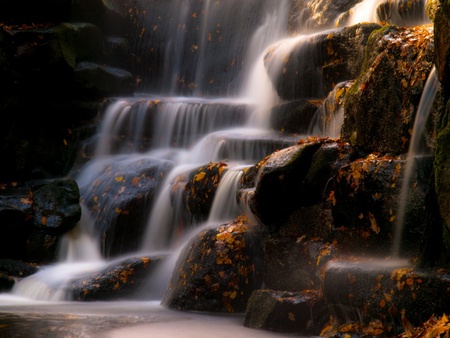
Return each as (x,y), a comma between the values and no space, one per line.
(390,291)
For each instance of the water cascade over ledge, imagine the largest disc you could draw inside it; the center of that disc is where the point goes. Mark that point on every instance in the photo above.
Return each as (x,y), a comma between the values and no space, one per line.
(211,147)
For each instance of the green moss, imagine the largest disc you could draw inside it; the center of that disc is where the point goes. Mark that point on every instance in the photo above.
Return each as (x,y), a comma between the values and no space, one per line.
(441,161)
(67,38)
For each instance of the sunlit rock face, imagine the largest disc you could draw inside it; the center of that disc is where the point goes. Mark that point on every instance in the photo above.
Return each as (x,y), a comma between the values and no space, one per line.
(381,105)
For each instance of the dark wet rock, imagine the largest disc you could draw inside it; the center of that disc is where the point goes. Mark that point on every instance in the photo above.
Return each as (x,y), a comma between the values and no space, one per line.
(442,160)
(388,291)
(294,116)
(365,199)
(10,270)
(279,182)
(297,312)
(381,105)
(315,64)
(37,75)
(6,282)
(329,115)
(56,206)
(16,217)
(200,189)
(125,279)
(17,268)
(315,221)
(293,264)
(345,53)
(217,270)
(119,195)
(295,177)
(101,80)
(35,219)
(109,15)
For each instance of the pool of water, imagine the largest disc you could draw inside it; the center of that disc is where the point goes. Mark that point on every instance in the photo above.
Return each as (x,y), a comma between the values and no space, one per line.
(125,319)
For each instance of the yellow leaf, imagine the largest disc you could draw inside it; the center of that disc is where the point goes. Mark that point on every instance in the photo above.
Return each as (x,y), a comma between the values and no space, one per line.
(373,224)
(291,316)
(119,179)
(199,176)
(27,201)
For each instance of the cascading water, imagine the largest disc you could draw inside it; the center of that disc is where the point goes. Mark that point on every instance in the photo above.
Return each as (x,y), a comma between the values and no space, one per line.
(183,120)
(431,88)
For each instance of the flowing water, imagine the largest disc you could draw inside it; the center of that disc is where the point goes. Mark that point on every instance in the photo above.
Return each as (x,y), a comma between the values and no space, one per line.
(178,116)
(431,88)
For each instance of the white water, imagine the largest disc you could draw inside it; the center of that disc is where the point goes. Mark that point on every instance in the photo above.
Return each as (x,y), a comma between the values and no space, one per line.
(257,92)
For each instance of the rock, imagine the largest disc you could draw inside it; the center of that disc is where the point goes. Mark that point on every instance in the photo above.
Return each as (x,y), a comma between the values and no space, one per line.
(295,177)
(387,291)
(365,201)
(126,279)
(294,116)
(217,270)
(381,104)
(126,189)
(100,80)
(297,312)
(313,65)
(200,189)
(35,219)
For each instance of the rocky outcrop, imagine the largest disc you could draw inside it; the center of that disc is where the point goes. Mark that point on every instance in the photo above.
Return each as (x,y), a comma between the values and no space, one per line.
(125,279)
(217,270)
(382,103)
(54,77)
(35,216)
(118,195)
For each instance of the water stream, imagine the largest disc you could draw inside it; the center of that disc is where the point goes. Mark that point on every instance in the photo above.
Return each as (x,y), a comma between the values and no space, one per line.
(431,88)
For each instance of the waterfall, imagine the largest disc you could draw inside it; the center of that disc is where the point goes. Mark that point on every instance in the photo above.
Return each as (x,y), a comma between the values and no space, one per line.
(79,255)
(430,90)
(205,92)
(224,207)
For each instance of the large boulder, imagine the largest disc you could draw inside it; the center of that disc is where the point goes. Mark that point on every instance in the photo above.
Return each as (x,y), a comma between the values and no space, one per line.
(293,178)
(119,195)
(311,66)
(35,217)
(217,271)
(366,197)
(125,279)
(381,105)
(280,311)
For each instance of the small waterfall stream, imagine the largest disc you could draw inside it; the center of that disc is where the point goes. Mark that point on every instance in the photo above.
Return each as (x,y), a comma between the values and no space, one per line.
(188,127)
(431,88)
